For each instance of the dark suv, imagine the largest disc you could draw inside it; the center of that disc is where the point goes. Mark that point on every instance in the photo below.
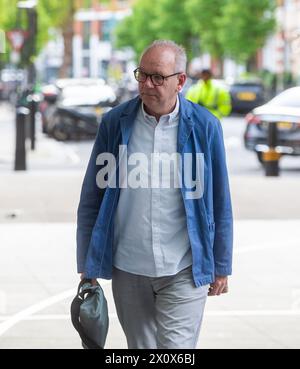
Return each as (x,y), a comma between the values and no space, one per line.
(246,95)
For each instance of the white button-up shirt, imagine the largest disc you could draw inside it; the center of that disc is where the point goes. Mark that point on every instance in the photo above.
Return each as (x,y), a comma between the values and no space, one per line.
(150,229)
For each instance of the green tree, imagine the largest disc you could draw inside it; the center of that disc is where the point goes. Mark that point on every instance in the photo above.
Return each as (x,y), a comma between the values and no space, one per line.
(173,23)
(204,21)
(138,30)
(8,17)
(51,14)
(60,14)
(234,28)
(155,19)
(244,27)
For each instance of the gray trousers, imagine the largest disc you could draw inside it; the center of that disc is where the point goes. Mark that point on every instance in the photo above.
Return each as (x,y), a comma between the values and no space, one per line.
(159,313)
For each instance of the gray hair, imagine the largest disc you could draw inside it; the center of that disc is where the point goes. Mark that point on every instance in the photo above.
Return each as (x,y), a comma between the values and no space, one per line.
(179,51)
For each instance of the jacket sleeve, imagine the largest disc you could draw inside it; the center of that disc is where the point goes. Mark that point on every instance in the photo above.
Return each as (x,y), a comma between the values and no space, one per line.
(223,218)
(90,199)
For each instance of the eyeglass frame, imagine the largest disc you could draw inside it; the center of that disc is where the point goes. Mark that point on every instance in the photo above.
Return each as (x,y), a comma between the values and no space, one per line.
(154,74)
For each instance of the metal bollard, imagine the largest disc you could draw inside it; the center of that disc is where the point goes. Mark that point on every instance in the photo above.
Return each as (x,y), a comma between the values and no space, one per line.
(32,108)
(20,153)
(271,157)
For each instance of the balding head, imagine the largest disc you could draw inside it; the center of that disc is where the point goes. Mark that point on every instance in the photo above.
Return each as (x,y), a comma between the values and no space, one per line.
(180,57)
(167,61)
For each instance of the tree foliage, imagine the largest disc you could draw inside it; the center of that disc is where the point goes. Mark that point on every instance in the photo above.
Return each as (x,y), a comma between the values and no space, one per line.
(139,29)
(57,14)
(204,19)
(235,28)
(173,23)
(244,27)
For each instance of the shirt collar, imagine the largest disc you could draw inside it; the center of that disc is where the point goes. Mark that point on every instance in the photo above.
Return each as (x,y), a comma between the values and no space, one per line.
(167,117)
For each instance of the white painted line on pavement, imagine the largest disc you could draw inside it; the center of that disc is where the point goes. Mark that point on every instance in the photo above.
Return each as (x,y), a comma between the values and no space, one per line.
(263,247)
(13,320)
(233,142)
(229,313)
(50,317)
(31,310)
(254,313)
(75,159)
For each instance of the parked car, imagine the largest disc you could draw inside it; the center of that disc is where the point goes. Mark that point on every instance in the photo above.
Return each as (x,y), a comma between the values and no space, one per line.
(246,95)
(1,90)
(284,109)
(47,104)
(73,108)
(10,80)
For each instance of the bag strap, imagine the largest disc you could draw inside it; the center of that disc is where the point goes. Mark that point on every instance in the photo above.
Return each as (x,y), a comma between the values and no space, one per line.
(82,282)
(75,311)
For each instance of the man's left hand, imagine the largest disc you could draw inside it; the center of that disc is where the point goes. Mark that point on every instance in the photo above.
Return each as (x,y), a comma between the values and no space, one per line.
(219,286)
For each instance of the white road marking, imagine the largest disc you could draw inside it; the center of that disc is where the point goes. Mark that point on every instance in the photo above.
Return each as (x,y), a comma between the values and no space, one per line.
(75,159)
(263,247)
(39,317)
(31,310)
(229,313)
(233,142)
(254,313)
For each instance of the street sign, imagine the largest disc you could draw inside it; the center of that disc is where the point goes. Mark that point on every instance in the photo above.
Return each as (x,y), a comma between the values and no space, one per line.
(15,57)
(17,38)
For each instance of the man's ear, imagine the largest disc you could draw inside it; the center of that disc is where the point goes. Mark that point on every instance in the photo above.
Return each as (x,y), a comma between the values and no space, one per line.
(181,81)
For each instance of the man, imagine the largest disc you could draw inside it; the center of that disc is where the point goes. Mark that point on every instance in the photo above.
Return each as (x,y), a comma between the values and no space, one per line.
(165,247)
(208,94)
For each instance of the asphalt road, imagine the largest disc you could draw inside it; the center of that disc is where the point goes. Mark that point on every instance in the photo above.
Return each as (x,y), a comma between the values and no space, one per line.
(241,162)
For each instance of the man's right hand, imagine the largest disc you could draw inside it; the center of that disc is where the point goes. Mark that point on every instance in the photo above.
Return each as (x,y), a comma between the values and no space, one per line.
(94,281)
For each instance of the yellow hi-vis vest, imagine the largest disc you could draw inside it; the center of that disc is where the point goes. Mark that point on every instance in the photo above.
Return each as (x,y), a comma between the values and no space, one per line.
(214,98)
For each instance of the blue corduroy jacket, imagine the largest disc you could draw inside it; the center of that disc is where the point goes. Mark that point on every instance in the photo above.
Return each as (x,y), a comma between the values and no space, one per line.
(209,218)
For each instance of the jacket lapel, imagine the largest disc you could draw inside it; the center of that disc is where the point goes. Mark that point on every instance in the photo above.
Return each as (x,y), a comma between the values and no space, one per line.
(127,119)
(185,124)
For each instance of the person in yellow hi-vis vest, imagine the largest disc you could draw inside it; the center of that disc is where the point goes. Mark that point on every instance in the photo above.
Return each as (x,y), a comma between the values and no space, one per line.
(208,94)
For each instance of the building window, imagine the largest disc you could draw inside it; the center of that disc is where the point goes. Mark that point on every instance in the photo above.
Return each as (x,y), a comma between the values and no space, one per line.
(86,67)
(86,35)
(105,31)
(107,28)
(122,4)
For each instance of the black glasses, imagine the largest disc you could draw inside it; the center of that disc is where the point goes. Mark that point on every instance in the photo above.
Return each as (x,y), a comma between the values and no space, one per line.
(156,79)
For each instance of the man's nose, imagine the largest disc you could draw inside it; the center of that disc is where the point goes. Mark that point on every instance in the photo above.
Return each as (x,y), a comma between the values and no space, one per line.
(148,82)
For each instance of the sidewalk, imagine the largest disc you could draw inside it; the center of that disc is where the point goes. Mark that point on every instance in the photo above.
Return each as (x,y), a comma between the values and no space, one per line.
(53,196)
(38,280)
(38,273)
(38,267)
(49,153)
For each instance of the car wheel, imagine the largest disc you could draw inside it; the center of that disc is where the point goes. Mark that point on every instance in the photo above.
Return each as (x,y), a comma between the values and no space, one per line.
(59,134)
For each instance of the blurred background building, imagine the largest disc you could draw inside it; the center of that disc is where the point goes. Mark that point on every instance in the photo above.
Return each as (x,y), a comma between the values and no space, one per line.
(281,55)
(93,39)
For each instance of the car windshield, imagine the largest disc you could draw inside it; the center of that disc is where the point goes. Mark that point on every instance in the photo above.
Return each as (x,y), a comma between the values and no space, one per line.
(290,98)
(249,86)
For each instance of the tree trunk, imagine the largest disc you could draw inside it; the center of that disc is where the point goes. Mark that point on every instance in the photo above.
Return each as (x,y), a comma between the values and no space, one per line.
(68,34)
(252,64)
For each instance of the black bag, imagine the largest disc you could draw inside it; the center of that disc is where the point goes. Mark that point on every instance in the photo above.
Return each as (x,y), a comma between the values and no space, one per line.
(89,314)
